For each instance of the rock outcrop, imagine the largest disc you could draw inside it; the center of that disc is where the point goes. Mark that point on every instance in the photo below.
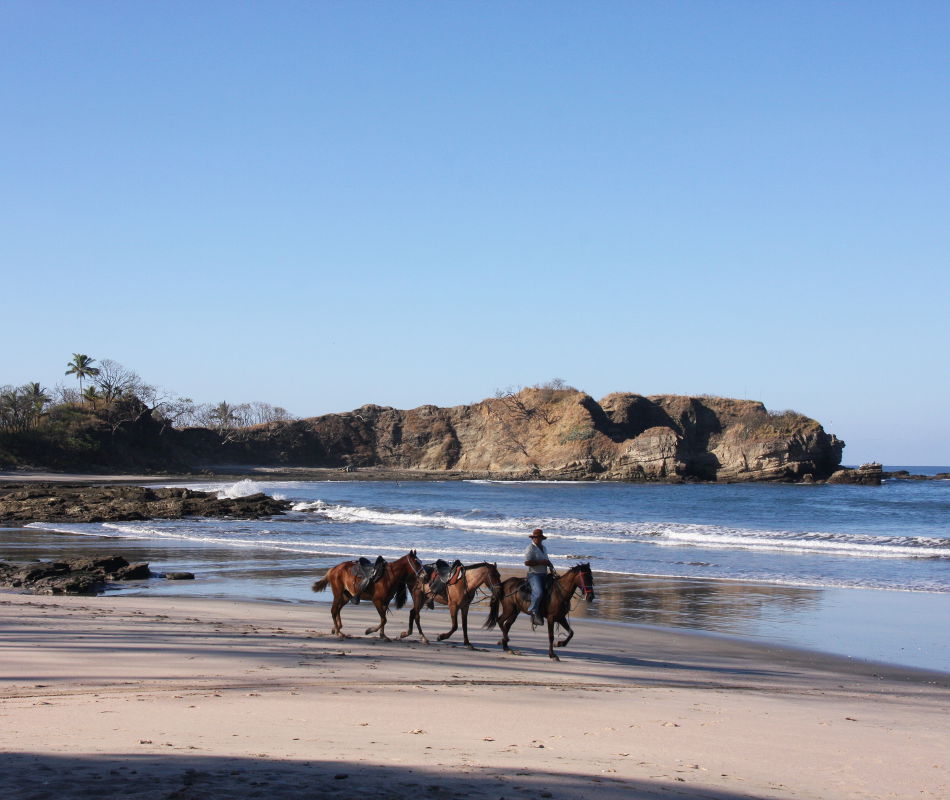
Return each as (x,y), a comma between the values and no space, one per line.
(865,475)
(81,576)
(555,433)
(58,502)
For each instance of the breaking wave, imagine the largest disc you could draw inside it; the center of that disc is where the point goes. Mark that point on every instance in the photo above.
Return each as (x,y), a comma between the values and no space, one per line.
(660,534)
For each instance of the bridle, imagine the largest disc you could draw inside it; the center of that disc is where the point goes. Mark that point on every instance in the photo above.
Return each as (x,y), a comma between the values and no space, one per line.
(587,589)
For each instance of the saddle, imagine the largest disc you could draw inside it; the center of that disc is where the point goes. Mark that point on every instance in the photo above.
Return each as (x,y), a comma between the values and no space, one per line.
(442,574)
(524,590)
(367,573)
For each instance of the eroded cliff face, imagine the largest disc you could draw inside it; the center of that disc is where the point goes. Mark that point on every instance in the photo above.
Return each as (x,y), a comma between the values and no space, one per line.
(562,434)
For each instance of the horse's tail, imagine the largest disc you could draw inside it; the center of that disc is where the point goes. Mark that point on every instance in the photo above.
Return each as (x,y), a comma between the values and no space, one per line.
(401,593)
(321,584)
(492,620)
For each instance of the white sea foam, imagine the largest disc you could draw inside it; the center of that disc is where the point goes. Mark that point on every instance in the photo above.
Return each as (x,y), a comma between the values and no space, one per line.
(831,543)
(243,488)
(663,534)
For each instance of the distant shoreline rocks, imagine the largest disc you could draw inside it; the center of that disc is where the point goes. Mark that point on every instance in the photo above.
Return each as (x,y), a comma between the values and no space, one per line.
(904,475)
(80,502)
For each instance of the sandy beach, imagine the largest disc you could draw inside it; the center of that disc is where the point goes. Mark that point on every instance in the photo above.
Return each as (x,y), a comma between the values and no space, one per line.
(183,698)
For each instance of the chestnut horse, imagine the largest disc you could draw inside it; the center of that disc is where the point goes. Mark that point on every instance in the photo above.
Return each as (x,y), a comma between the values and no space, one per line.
(457,594)
(509,600)
(391,584)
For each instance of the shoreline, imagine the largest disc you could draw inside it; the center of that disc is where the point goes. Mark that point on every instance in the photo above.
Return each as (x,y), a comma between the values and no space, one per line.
(749,612)
(226,472)
(882,625)
(229,698)
(868,625)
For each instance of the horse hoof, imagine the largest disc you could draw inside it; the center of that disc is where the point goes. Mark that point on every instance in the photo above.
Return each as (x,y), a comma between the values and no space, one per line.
(443,636)
(424,640)
(554,657)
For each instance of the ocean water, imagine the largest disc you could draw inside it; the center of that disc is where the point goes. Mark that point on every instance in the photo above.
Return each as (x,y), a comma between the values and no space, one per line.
(856,570)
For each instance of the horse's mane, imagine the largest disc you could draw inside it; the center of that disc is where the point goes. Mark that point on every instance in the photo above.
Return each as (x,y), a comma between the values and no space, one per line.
(402,591)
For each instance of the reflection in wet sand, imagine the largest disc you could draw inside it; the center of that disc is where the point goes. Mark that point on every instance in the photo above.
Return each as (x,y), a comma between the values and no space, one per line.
(715,606)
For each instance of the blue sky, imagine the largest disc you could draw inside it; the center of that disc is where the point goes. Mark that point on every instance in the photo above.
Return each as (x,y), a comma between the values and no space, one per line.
(326,204)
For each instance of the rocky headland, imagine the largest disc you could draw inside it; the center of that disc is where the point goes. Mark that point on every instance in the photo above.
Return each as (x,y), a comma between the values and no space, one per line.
(546,433)
(542,432)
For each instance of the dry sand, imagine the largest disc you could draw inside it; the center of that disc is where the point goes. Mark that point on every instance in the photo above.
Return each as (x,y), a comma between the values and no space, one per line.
(130,697)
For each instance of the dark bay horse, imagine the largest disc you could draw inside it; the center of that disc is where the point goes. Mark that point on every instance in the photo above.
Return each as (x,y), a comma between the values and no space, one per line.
(508,601)
(391,584)
(457,594)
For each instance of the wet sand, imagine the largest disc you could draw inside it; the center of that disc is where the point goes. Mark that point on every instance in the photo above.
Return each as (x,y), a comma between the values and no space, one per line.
(138,697)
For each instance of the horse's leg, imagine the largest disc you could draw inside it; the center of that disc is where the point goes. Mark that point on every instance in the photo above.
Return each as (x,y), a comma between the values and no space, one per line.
(453,612)
(570,632)
(413,614)
(425,639)
(509,615)
(551,653)
(381,610)
(337,620)
(418,600)
(464,611)
(374,628)
(378,598)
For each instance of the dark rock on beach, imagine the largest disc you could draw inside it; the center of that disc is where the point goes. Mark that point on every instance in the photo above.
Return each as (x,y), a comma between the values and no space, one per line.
(52,502)
(81,576)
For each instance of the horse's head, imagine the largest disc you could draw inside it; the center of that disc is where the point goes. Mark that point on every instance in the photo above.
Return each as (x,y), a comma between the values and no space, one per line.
(494,577)
(486,574)
(584,580)
(414,563)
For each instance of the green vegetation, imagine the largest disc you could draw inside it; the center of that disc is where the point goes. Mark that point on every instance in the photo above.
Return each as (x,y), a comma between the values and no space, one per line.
(81,367)
(578,433)
(115,420)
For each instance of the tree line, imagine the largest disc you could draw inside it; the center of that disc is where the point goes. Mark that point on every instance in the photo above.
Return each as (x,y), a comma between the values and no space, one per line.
(117,395)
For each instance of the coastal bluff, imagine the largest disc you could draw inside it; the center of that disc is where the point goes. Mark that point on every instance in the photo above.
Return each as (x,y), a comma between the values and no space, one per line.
(548,433)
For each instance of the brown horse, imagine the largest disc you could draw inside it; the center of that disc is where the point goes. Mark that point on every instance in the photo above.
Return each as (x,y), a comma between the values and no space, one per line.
(391,584)
(509,600)
(457,594)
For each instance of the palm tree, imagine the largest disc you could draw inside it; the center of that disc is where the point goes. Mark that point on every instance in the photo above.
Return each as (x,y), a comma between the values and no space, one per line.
(82,367)
(222,415)
(36,397)
(91,394)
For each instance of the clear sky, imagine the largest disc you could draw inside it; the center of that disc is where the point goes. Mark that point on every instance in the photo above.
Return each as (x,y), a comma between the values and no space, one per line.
(326,204)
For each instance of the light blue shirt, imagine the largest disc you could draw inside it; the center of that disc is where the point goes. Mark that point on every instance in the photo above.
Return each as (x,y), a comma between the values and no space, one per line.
(536,552)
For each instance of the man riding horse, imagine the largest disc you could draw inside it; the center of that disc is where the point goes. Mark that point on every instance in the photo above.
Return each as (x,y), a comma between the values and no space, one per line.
(538,564)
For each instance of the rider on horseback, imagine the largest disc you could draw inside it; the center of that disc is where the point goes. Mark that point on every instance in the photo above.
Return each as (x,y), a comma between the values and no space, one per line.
(537,561)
